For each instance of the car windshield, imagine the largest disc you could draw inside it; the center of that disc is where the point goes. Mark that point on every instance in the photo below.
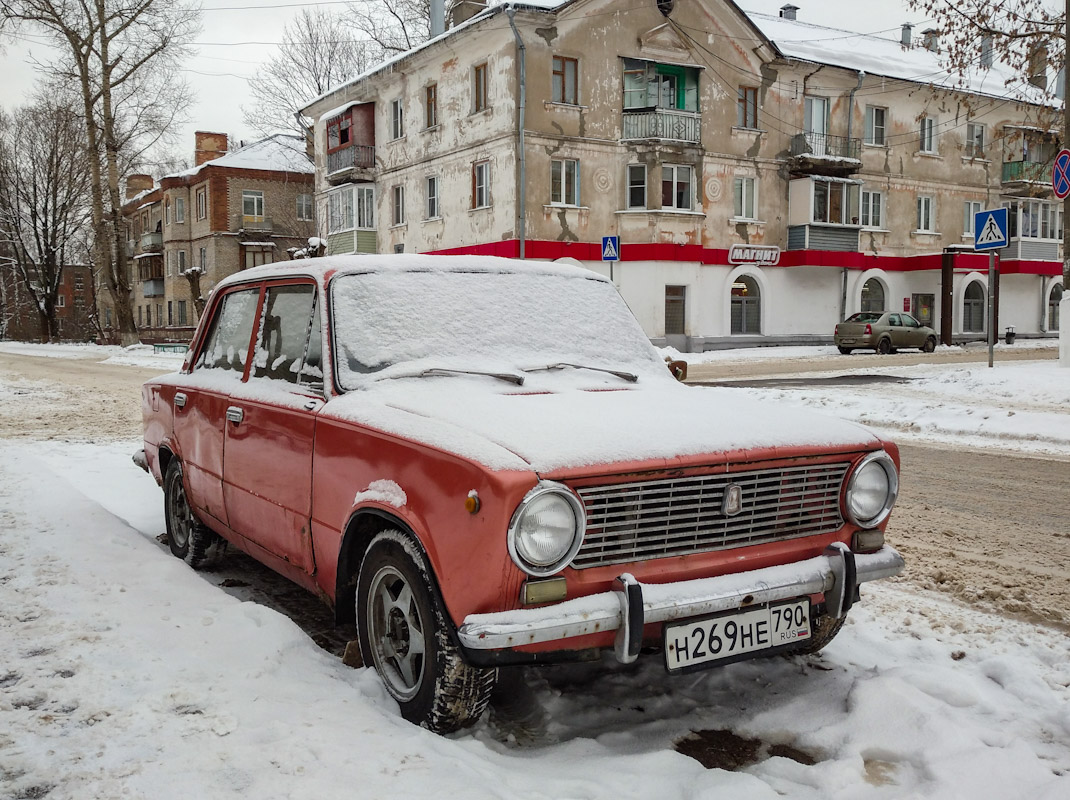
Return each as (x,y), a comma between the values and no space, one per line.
(393,323)
(866,316)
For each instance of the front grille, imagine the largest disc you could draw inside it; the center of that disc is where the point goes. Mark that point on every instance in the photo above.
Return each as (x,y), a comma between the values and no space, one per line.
(678,516)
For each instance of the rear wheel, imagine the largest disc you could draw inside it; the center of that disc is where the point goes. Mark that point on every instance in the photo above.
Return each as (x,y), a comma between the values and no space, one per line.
(884,346)
(845,350)
(930,345)
(188,537)
(404,634)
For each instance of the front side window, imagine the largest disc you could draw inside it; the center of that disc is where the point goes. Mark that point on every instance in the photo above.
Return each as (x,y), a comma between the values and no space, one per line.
(746,306)
(637,186)
(167,212)
(340,211)
(258,256)
(872,209)
(481,184)
(202,203)
(873,297)
(365,206)
(676,192)
(926,220)
(479,87)
(743,198)
(675,310)
(564,80)
(304,207)
(565,182)
(339,131)
(203,261)
(649,85)
(183,319)
(747,107)
(181,262)
(432,197)
(283,340)
(180,210)
(836,202)
(928,135)
(975,140)
(875,125)
(431,106)
(397,120)
(228,344)
(398,217)
(969,209)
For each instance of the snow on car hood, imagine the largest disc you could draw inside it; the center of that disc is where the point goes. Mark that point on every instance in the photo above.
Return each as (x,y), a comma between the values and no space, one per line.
(557,430)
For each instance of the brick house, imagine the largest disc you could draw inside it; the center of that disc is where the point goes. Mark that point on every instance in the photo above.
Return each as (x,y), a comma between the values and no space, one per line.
(74,305)
(230,211)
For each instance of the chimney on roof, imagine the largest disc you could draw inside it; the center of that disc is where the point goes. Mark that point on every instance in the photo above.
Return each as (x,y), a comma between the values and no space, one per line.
(137,183)
(931,40)
(1038,65)
(788,11)
(464,10)
(987,56)
(208,146)
(905,36)
(438,17)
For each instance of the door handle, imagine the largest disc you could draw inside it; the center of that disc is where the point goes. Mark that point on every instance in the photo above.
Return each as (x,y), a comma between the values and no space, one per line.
(235,414)
(180,399)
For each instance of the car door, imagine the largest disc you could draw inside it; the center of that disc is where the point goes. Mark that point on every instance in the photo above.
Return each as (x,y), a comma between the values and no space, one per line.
(913,334)
(200,405)
(895,330)
(271,421)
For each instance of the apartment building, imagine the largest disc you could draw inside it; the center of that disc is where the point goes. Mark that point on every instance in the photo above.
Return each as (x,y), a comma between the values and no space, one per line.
(74,306)
(764,177)
(230,211)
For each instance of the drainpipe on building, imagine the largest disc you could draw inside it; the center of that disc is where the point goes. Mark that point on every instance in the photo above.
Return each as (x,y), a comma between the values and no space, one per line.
(850,125)
(521,179)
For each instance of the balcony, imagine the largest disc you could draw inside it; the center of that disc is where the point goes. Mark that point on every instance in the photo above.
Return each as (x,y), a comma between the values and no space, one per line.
(355,161)
(151,242)
(676,126)
(825,154)
(245,222)
(152,288)
(1027,172)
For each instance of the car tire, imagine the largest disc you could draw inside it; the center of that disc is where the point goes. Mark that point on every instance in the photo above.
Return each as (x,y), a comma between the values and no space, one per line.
(884,346)
(404,634)
(930,345)
(846,351)
(824,630)
(188,537)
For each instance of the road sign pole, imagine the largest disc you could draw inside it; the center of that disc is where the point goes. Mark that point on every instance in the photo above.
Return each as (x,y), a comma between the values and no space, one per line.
(991,306)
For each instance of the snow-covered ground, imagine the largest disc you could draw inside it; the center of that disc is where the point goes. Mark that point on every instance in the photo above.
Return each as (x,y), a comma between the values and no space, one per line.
(125,674)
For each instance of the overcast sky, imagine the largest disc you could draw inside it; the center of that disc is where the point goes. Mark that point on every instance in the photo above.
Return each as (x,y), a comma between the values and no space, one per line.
(238,35)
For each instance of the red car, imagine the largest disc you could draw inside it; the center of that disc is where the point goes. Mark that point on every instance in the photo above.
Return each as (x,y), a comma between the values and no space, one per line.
(485,463)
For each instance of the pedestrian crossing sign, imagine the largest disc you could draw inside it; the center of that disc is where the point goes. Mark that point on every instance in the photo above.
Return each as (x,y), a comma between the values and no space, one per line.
(611,248)
(990,229)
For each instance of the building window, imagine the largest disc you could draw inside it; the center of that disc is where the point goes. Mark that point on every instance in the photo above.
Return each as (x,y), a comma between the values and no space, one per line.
(565,182)
(675,310)
(872,209)
(836,202)
(744,191)
(564,80)
(975,140)
(872,296)
(432,197)
(167,211)
(366,207)
(648,85)
(182,319)
(107,317)
(747,107)
(746,306)
(637,186)
(969,209)
(398,216)
(181,262)
(170,313)
(875,125)
(304,207)
(927,144)
(139,317)
(676,188)
(340,211)
(481,184)
(479,87)
(1054,298)
(79,283)
(973,308)
(257,256)
(1034,219)
(339,131)
(61,301)
(203,262)
(252,205)
(397,120)
(180,210)
(202,204)
(926,217)
(169,263)
(431,106)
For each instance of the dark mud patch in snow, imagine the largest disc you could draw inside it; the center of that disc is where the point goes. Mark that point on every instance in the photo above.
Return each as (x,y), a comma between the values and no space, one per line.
(723,749)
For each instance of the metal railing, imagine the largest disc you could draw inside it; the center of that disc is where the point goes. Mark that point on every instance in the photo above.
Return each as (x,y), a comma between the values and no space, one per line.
(361,156)
(680,126)
(1034,171)
(825,145)
(240,222)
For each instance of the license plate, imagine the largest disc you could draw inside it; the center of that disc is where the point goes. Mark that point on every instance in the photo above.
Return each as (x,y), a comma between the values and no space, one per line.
(847,341)
(734,634)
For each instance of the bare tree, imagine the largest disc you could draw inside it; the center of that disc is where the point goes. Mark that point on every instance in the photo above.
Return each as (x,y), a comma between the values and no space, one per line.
(318,53)
(394,26)
(119,55)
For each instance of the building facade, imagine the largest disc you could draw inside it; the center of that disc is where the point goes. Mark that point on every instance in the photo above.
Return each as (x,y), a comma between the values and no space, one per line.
(765,177)
(75,300)
(231,211)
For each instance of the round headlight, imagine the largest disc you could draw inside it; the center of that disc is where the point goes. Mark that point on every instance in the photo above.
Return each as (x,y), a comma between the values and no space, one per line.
(547,529)
(872,490)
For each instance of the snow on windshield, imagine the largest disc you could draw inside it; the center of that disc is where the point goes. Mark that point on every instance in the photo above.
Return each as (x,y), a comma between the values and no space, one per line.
(480,321)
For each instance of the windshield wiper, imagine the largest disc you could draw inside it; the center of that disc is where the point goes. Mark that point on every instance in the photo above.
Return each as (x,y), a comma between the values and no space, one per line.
(628,376)
(435,372)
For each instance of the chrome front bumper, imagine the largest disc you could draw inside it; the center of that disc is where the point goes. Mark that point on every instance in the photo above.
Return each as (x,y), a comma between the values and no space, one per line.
(836,574)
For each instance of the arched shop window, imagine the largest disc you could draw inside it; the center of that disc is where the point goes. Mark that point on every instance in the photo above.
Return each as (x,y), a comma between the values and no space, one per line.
(872,296)
(746,306)
(1054,298)
(973,309)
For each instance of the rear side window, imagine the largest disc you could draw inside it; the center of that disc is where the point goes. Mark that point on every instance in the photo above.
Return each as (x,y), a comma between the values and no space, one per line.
(228,343)
(283,351)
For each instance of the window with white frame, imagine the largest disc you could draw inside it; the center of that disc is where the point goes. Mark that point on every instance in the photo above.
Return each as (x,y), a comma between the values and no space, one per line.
(1034,219)
(365,206)
(927,142)
(744,198)
(398,195)
(676,189)
(431,185)
(340,210)
(252,204)
(181,262)
(637,186)
(564,182)
(926,214)
(975,140)
(304,207)
(180,210)
(167,211)
(481,184)
(203,263)
(202,203)
(969,209)
(872,210)
(397,120)
(876,117)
